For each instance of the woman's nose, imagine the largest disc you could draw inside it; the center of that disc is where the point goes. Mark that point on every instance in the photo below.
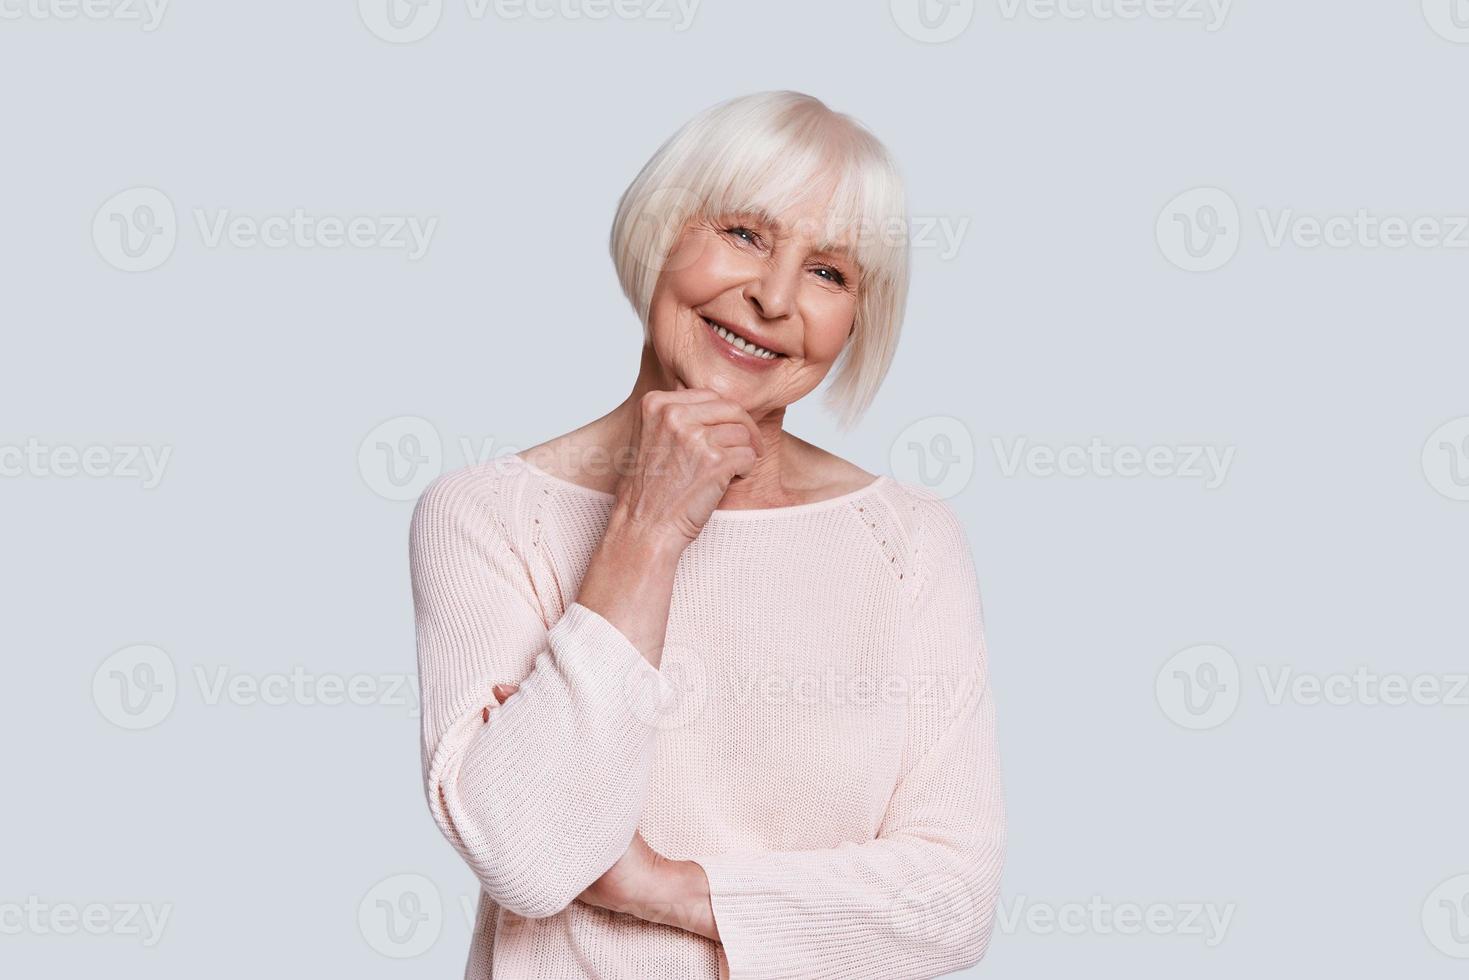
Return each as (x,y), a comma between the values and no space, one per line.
(773,294)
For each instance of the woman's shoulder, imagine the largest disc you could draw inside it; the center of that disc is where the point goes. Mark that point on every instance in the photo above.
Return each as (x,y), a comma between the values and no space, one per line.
(485,495)
(935,534)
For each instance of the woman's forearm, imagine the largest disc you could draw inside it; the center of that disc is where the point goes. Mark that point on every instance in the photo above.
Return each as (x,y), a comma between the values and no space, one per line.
(629,582)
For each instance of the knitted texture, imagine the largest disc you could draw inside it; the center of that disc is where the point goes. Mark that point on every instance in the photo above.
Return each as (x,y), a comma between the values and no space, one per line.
(819,737)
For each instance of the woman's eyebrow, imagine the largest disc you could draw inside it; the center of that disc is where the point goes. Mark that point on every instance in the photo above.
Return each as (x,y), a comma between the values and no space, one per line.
(827,246)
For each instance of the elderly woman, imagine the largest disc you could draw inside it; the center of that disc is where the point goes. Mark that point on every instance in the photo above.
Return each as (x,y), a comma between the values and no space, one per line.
(701,699)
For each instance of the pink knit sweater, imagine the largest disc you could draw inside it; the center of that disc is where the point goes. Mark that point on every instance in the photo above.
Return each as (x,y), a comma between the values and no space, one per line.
(820,737)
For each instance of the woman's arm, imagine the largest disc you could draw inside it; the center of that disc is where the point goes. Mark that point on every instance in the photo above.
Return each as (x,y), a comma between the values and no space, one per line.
(919,900)
(540,795)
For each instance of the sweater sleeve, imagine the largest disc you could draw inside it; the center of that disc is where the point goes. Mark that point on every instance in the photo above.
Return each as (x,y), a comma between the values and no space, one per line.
(918,900)
(545,795)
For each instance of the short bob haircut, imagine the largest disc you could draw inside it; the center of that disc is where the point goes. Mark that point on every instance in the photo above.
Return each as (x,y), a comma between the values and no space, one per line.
(759,154)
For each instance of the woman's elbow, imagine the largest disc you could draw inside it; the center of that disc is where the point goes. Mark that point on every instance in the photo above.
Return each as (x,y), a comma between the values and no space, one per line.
(967,910)
(501,865)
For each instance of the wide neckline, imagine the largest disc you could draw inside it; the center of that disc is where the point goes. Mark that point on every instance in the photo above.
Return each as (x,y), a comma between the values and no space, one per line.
(742,513)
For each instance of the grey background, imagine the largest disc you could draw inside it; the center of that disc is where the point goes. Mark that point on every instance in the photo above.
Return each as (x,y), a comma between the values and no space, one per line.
(268,546)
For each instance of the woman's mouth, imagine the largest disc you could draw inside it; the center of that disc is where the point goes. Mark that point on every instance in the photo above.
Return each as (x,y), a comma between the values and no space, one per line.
(736,342)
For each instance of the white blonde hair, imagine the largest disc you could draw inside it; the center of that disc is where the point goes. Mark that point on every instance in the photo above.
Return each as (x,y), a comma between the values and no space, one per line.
(761,154)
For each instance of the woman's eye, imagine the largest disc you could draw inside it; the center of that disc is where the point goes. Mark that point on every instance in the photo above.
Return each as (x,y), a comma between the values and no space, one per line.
(741,233)
(832,275)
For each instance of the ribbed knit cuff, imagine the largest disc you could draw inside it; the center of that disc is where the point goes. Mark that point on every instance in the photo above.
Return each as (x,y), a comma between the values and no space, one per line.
(752,912)
(610,663)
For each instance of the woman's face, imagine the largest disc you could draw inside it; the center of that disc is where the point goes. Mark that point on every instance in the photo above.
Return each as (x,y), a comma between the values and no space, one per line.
(769,282)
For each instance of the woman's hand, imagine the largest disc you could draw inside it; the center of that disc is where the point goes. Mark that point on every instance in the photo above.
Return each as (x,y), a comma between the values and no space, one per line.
(690,444)
(627,886)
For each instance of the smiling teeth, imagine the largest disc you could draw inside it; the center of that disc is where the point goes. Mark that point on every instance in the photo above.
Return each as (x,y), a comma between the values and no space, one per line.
(742,343)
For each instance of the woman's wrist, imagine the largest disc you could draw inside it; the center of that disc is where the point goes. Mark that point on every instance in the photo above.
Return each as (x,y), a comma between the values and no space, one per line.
(629,582)
(653,541)
(677,894)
